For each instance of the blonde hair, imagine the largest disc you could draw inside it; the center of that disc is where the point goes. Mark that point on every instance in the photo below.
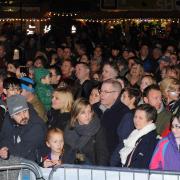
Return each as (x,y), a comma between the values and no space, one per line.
(168,84)
(53,131)
(77,107)
(66,96)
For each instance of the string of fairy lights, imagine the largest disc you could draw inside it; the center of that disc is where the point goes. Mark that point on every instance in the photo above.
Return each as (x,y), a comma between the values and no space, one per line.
(81,18)
(24,20)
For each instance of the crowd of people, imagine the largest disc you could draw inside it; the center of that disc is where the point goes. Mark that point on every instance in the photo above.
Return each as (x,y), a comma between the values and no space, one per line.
(107,106)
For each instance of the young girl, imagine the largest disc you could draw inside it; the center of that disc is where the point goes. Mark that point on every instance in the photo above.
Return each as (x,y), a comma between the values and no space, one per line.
(55,141)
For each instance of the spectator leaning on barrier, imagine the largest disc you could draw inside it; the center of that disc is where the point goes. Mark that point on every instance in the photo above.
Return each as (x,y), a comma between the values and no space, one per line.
(166,155)
(140,144)
(23,131)
(85,141)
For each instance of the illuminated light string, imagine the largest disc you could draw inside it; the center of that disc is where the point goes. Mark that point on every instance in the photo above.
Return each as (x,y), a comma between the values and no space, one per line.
(24,20)
(135,20)
(63,14)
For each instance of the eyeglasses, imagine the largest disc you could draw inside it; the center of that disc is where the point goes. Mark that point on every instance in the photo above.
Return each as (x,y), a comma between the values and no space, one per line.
(107,92)
(175,126)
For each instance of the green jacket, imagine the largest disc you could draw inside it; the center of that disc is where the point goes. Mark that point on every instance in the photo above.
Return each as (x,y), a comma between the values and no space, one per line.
(163,121)
(44,93)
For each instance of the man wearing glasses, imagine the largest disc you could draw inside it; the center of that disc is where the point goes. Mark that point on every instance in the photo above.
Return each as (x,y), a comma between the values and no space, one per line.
(115,117)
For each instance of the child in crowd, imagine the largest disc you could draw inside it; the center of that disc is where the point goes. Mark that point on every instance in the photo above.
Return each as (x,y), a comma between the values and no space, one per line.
(43,88)
(55,141)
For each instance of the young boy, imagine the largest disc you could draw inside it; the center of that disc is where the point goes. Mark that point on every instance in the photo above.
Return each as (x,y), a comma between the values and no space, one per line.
(11,86)
(55,141)
(43,88)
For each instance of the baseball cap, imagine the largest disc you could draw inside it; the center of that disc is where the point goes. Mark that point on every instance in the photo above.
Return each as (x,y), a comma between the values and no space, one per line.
(16,104)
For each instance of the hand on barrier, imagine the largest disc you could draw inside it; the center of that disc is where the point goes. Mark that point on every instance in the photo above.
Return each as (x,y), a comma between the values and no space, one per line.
(50,163)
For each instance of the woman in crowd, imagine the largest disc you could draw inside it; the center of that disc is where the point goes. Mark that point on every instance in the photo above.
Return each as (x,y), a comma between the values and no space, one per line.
(146,81)
(135,75)
(110,71)
(139,146)
(94,95)
(170,88)
(166,155)
(60,113)
(85,141)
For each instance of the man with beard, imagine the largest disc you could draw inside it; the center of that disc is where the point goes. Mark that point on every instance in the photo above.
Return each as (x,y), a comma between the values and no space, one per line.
(23,131)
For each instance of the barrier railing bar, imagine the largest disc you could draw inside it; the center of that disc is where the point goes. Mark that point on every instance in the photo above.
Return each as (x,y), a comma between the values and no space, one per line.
(119,169)
(21,166)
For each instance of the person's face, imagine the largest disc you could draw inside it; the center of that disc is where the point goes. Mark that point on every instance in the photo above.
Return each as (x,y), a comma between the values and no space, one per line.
(98,52)
(84,59)
(115,52)
(156,53)
(172,73)
(140,119)
(173,58)
(29,63)
(60,52)
(163,64)
(57,101)
(154,98)
(11,68)
(81,71)
(2,51)
(22,117)
(54,78)
(108,73)
(173,95)
(12,91)
(46,79)
(176,128)
(125,54)
(94,96)
(67,53)
(144,51)
(108,94)
(56,143)
(66,68)
(38,63)
(125,99)
(85,115)
(131,62)
(94,66)
(135,70)
(145,83)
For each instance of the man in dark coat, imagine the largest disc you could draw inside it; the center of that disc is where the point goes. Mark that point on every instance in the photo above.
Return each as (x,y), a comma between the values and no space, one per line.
(113,114)
(23,131)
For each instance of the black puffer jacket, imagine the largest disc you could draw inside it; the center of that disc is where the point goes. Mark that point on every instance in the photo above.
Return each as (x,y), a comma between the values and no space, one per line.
(24,141)
(56,119)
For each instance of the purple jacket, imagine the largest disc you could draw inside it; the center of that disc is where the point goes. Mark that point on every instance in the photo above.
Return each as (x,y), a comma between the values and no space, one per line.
(166,155)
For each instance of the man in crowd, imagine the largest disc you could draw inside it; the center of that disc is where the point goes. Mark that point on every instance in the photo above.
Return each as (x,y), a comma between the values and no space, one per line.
(83,84)
(114,115)
(153,96)
(23,132)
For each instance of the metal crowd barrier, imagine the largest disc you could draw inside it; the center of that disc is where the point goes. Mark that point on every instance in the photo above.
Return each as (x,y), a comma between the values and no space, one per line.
(26,170)
(76,172)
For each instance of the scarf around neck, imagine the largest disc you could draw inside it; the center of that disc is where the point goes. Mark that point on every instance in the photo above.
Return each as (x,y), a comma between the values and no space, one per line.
(130,142)
(79,136)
